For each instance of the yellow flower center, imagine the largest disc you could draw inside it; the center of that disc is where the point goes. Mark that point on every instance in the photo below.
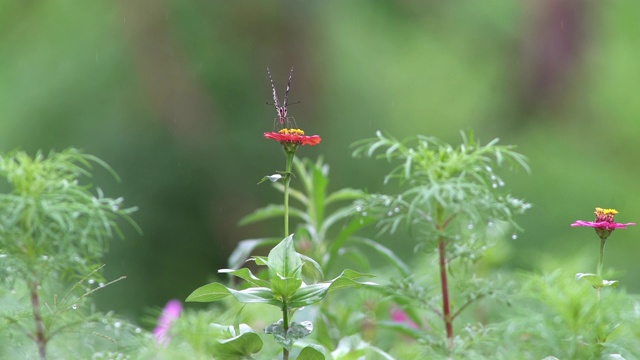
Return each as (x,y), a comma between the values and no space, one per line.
(605,212)
(291,132)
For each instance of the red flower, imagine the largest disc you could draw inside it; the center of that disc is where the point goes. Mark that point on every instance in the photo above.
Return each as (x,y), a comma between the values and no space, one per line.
(604,223)
(293,136)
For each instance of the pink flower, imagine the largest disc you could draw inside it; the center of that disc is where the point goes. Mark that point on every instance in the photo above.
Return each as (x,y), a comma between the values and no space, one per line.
(293,136)
(400,316)
(604,223)
(170,313)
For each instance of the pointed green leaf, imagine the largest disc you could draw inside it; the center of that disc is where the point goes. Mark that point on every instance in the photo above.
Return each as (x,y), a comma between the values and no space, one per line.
(283,288)
(247,275)
(265,213)
(387,253)
(284,260)
(344,194)
(310,353)
(239,346)
(271,212)
(294,332)
(216,291)
(311,270)
(311,294)
(244,249)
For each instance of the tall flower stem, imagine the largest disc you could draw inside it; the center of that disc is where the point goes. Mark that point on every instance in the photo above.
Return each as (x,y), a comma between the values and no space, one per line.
(600,262)
(287,181)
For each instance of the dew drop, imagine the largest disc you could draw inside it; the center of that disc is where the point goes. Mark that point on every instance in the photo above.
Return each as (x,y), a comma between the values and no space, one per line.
(117,324)
(13,291)
(101,284)
(470,226)
(138,330)
(107,327)
(390,213)
(490,224)
(488,168)
(74,306)
(493,177)
(501,183)
(494,185)
(45,257)
(358,208)
(396,210)
(91,281)
(364,213)
(514,237)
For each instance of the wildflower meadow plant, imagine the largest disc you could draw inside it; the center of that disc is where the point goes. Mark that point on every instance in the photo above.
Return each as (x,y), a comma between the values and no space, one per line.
(604,225)
(292,277)
(451,195)
(54,231)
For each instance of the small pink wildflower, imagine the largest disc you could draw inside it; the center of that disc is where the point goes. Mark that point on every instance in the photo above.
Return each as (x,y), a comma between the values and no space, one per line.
(170,313)
(604,223)
(400,316)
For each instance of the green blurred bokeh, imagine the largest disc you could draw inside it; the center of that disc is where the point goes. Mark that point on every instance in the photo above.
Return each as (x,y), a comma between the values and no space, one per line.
(172,94)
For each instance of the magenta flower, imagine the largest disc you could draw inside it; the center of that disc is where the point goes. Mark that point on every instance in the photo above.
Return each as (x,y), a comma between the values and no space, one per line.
(400,316)
(170,313)
(604,223)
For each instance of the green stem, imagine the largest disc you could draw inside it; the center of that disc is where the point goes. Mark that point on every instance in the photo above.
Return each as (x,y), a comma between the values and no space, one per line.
(285,323)
(287,180)
(600,262)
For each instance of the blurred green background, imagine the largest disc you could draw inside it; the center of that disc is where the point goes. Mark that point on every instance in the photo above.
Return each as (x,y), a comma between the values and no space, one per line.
(172,94)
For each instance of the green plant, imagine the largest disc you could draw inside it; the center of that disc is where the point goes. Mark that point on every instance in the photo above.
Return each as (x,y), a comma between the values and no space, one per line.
(53,232)
(451,195)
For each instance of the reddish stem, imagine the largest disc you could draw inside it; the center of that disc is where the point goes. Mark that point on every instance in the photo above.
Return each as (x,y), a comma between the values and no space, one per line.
(40,337)
(446,309)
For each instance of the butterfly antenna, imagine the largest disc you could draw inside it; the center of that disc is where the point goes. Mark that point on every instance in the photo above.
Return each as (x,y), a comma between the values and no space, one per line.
(286,94)
(273,87)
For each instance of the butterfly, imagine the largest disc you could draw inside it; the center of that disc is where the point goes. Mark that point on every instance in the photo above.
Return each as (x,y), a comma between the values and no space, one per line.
(281,110)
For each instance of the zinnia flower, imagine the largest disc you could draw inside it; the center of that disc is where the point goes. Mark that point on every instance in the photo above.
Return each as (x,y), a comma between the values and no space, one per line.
(170,313)
(293,136)
(604,223)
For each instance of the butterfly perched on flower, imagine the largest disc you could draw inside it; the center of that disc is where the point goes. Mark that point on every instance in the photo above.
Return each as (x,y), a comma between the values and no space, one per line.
(281,110)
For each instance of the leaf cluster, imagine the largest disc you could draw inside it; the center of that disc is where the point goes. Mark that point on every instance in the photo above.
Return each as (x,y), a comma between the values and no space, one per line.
(49,220)
(441,182)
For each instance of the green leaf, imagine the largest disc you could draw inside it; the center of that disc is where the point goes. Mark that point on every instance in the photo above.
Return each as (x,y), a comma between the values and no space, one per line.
(247,275)
(244,249)
(295,332)
(283,288)
(240,346)
(311,270)
(271,212)
(216,291)
(312,294)
(344,194)
(284,260)
(310,353)
(387,253)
